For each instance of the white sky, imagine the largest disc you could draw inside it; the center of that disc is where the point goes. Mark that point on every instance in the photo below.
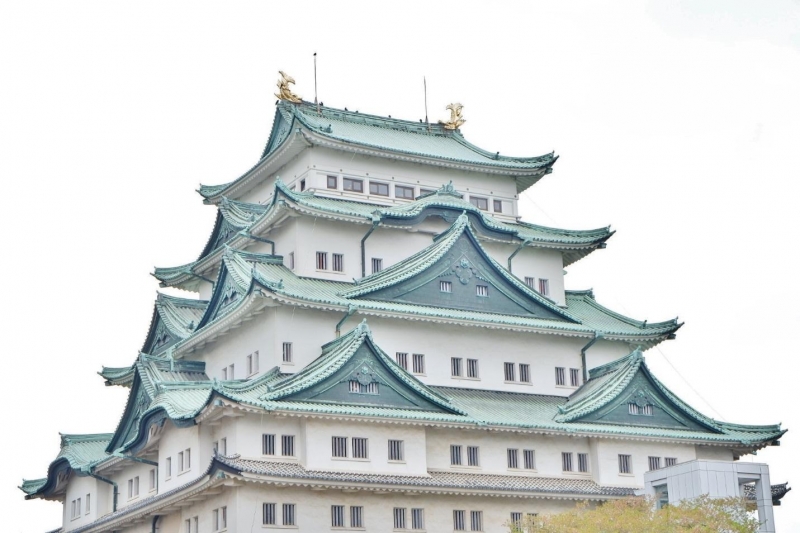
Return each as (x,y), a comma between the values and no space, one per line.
(678,123)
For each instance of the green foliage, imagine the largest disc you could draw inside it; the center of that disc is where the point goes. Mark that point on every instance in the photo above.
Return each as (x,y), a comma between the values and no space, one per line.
(639,515)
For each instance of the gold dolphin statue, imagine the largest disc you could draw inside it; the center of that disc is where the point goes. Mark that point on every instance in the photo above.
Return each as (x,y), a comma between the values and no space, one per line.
(284,92)
(456,120)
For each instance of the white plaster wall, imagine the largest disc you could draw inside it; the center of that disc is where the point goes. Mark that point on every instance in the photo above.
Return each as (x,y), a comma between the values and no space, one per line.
(247,434)
(234,347)
(79,487)
(313,508)
(130,470)
(605,351)
(172,441)
(606,453)
(204,509)
(535,263)
(713,453)
(319,447)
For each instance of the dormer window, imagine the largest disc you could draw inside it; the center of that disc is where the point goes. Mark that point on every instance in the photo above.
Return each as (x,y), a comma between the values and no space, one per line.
(480,203)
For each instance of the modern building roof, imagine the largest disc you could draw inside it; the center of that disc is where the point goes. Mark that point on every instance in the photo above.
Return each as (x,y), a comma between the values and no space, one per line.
(391,138)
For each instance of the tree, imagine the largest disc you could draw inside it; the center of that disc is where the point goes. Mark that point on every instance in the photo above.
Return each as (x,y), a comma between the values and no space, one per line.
(639,515)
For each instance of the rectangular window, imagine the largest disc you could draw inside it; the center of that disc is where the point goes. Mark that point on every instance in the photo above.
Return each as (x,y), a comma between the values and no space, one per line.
(423,191)
(455,366)
(360,388)
(88,503)
(455,454)
(168,468)
(136,486)
(402,359)
(322,260)
(339,446)
(529,459)
(476,520)
(377,265)
(473,456)
(561,377)
(268,444)
(269,514)
(417,518)
(151,485)
(524,373)
(459,520)
(654,462)
(337,515)
(252,363)
(356,516)
(333,182)
(516,521)
(530,282)
(624,464)
(225,373)
(399,518)
(378,188)
(472,368)
(287,352)
(404,192)
(223,446)
(508,371)
(289,514)
(338,262)
(566,461)
(512,454)
(482,290)
(352,185)
(480,203)
(302,185)
(396,452)
(419,363)
(72,510)
(287,445)
(360,448)
(187,460)
(544,287)
(574,377)
(187,525)
(498,206)
(219,519)
(445,286)
(583,462)
(670,461)
(291,260)
(230,372)
(78,511)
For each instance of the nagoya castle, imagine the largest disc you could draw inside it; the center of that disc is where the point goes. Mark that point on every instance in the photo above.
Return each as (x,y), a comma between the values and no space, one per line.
(378,343)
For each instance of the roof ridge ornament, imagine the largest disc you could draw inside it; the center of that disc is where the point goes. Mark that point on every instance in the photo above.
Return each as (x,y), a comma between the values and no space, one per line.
(456,120)
(284,91)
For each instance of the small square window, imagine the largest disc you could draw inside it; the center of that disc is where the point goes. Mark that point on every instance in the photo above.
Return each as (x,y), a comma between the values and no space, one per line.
(575,377)
(561,376)
(508,372)
(498,206)
(337,516)
(456,364)
(480,203)
(396,452)
(455,454)
(356,516)
(529,459)
(583,462)
(291,260)
(417,518)
(512,454)
(530,282)
(459,521)
(625,464)
(287,445)
(670,461)
(399,518)
(476,520)
(338,262)
(360,449)
(377,265)
(252,363)
(654,463)
(445,286)
(482,290)
(473,456)
(289,514)
(472,368)
(544,287)
(402,359)
(302,185)
(339,447)
(269,514)
(333,182)
(322,260)
(353,185)
(287,352)
(268,444)
(419,363)
(378,188)
(566,461)
(404,192)
(525,373)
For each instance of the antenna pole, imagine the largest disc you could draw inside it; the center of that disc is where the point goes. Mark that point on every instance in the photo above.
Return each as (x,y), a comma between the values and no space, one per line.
(316,102)
(425,85)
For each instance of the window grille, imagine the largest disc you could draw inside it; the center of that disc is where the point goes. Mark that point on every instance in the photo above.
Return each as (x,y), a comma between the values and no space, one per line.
(516,520)
(624,464)
(529,458)
(417,518)
(289,514)
(455,366)
(566,461)
(508,371)
(419,363)
(151,484)
(352,185)
(473,456)
(670,461)
(561,376)
(270,516)
(402,359)
(287,352)
(359,388)
(291,260)
(525,373)
(399,518)
(476,520)
(459,520)
(338,262)
(455,454)
(337,515)
(287,445)
(482,290)
(356,516)
(654,462)
(583,462)
(322,260)
(634,409)
(396,450)
(445,286)
(513,457)
(268,444)
(530,282)
(89,502)
(339,446)
(360,450)
(575,376)
(544,287)
(377,265)
(472,368)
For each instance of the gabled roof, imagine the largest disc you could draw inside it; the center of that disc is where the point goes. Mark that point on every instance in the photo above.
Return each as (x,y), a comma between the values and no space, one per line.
(173,320)
(405,140)
(611,388)
(79,453)
(232,217)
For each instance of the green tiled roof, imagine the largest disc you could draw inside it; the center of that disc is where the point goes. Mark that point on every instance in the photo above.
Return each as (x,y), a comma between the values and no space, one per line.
(394,138)
(118,375)
(232,217)
(78,452)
